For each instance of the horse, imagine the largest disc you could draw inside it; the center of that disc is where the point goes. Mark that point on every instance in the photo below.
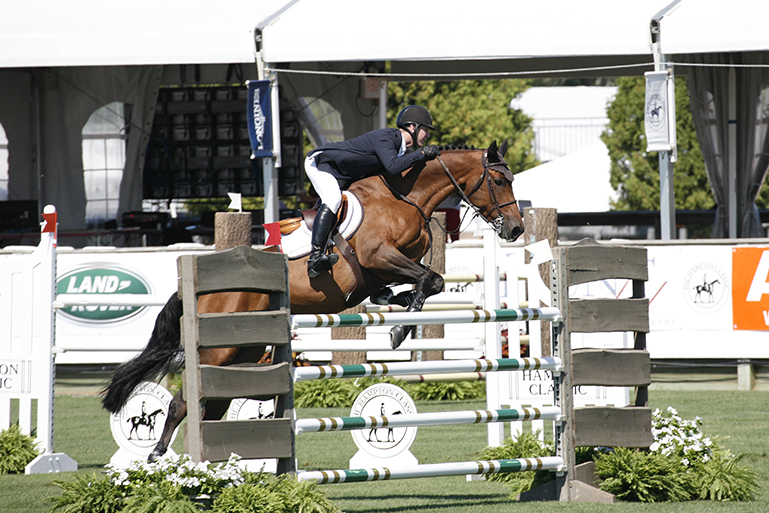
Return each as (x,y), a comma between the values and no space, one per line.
(391,241)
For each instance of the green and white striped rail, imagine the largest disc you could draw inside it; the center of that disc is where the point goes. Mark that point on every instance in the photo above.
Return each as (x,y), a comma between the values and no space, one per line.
(432,470)
(426,419)
(425,318)
(429,367)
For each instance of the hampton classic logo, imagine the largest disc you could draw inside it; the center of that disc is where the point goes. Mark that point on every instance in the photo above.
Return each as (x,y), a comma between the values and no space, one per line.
(706,287)
(104,279)
(387,400)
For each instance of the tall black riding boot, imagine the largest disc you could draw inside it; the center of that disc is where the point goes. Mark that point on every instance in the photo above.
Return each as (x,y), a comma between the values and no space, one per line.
(319,261)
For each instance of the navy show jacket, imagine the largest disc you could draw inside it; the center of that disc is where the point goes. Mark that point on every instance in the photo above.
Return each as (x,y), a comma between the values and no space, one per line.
(366,155)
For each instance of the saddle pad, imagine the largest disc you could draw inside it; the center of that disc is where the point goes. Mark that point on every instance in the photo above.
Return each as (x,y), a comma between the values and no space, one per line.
(297,244)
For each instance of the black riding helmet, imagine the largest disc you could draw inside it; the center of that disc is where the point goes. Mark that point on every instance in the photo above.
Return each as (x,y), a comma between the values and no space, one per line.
(416,115)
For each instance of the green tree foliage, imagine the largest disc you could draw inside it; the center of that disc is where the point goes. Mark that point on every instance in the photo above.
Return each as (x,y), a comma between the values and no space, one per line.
(471,112)
(634,172)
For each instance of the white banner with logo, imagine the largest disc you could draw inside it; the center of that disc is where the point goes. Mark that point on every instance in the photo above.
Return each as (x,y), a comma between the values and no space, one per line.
(656,112)
(111,334)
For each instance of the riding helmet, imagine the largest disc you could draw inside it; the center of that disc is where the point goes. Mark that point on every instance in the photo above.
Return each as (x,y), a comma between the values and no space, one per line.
(415,114)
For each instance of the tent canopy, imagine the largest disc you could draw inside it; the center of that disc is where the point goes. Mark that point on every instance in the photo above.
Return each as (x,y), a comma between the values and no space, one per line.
(69,59)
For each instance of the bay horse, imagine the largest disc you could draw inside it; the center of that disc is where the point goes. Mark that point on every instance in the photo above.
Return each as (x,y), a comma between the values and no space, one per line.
(391,241)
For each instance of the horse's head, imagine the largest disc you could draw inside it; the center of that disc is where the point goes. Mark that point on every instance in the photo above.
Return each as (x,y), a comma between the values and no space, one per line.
(490,190)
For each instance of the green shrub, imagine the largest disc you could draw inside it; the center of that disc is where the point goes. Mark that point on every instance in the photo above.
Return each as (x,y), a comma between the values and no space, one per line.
(16,450)
(324,393)
(526,445)
(162,497)
(88,494)
(637,476)
(447,391)
(721,478)
(249,498)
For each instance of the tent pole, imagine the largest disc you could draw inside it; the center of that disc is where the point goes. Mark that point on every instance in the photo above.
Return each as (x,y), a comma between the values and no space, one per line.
(732,164)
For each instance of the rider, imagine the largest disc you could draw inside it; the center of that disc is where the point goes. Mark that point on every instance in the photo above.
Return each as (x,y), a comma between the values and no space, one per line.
(335,166)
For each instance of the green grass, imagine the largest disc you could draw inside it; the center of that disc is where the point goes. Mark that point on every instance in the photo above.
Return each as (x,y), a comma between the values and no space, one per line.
(739,418)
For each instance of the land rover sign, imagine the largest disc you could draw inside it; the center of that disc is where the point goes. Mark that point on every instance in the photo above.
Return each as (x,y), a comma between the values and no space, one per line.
(101,280)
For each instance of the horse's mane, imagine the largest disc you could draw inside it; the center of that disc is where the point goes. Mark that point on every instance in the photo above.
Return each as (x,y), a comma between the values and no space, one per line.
(453,147)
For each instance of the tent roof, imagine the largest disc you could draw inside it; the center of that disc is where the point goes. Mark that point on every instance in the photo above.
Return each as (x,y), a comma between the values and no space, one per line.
(98,33)
(337,30)
(512,34)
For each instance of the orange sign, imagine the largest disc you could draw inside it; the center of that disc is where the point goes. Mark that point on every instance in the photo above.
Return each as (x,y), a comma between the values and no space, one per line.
(750,288)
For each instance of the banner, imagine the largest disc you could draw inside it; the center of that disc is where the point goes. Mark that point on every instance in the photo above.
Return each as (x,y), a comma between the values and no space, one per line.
(259,117)
(656,127)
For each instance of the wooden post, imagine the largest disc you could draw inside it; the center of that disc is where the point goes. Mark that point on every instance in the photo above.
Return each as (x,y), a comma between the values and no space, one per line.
(542,224)
(232,229)
(437,264)
(349,333)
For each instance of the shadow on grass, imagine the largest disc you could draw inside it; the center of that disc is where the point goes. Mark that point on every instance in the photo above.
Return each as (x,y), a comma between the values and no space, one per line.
(417,502)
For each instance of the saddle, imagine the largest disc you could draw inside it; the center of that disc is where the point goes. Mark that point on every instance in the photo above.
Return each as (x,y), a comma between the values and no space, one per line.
(289,228)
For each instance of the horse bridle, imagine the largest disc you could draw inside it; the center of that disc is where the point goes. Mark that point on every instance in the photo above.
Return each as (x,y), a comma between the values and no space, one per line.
(496,206)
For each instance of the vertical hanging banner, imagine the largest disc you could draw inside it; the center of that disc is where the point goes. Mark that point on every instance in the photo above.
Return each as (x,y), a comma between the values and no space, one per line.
(656,112)
(259,115)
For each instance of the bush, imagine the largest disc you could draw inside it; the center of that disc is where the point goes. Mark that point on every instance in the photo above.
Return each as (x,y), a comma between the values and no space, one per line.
(323,393)
(723,479)
(633,475)
(178,486)
(526,445)
(16,450)
(448,391)
(88,494)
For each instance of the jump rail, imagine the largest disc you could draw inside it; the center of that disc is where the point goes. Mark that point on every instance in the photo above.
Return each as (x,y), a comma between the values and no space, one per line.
(432,470)
(447,317)
(429,367)
(426,419)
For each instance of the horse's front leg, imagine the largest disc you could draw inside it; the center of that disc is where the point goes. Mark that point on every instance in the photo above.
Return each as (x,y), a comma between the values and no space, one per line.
(177,410)
(431,284)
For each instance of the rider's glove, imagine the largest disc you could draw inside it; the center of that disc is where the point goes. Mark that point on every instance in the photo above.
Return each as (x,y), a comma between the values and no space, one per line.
(431,152)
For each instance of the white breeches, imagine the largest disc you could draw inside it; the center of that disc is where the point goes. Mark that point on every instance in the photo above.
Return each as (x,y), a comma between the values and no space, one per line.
(325,185)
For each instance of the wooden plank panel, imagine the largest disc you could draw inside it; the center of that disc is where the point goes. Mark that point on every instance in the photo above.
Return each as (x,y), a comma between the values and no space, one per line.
(610,367)
(248,382)
(250,439)
(604,315)
(612,427)
(597,262)
(244,329)
(242,269)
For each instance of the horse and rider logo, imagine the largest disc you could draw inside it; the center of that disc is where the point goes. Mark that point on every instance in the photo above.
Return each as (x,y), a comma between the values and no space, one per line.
(134,427)
(705,287)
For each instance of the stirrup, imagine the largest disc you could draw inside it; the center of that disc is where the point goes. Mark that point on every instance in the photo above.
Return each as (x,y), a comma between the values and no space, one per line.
(321,263)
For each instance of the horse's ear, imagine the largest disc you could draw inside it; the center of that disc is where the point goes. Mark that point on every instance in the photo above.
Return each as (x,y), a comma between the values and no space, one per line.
(503,148)
(493,147)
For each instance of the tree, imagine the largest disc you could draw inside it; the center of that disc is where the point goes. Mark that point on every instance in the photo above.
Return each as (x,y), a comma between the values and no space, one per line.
(471,112)
(634,172)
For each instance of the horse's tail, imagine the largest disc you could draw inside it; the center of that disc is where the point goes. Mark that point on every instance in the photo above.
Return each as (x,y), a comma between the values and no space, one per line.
(163,354)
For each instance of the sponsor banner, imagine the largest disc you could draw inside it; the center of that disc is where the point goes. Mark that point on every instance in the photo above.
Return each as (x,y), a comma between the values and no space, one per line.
(107,334)
(259,118)
(750,294)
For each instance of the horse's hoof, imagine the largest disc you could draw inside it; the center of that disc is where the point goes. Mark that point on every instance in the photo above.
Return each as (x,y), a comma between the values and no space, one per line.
(155,455)
(397,334)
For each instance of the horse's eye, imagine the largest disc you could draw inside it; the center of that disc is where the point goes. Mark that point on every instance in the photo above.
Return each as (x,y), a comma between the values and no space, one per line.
(500,181)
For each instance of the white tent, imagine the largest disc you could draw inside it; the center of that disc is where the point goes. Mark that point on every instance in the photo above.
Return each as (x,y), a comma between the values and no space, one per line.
(61,60)
(576,182)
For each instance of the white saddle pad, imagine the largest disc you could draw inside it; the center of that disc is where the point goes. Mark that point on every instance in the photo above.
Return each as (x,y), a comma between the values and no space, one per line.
(297,243)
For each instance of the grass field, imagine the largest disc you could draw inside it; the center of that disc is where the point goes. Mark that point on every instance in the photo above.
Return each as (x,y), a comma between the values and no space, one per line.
(739,418)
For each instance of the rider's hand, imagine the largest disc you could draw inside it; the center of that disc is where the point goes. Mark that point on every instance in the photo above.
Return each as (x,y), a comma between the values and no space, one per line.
(431,152)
